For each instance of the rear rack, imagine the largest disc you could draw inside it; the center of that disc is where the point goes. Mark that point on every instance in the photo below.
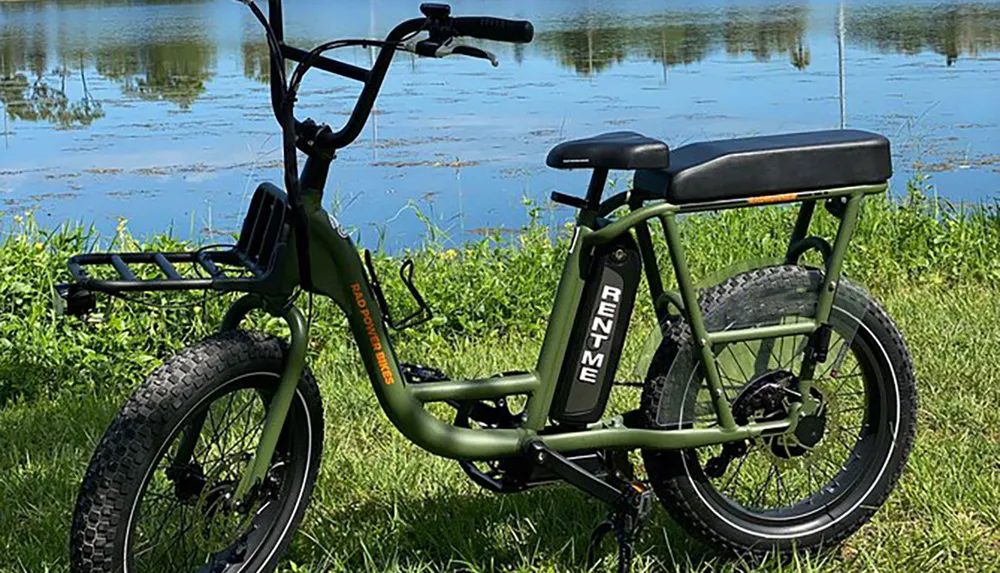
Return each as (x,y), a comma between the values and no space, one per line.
(249,265)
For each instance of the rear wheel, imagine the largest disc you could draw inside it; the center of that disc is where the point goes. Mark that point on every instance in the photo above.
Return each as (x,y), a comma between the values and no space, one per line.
(145,506)
(806,490)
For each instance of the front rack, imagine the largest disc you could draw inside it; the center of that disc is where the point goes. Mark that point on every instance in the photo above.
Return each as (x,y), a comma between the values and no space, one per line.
(249,265)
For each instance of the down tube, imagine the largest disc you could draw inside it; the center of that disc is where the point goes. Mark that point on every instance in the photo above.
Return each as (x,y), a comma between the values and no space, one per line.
(402,409)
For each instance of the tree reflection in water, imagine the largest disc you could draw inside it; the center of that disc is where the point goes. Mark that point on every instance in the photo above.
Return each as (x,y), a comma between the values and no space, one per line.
(38,72)
(172,71)
(26,90)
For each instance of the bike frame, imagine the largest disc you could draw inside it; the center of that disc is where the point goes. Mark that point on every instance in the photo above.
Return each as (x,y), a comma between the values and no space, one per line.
(327,263)
(337,272)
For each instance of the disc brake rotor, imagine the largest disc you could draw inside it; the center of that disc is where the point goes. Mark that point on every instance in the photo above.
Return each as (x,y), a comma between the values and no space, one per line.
(219,522)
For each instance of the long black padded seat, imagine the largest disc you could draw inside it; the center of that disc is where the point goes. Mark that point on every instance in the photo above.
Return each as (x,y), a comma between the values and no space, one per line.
(768,165)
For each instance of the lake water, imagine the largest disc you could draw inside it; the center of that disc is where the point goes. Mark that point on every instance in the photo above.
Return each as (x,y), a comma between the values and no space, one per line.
(158,111)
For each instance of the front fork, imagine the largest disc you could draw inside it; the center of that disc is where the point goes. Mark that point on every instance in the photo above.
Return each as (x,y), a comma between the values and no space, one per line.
(277,408)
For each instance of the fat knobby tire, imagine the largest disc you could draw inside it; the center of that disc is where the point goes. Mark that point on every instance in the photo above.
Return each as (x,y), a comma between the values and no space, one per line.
(151,415)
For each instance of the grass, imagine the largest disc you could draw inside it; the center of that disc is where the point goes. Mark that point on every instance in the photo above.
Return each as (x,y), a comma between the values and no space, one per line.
(382,504)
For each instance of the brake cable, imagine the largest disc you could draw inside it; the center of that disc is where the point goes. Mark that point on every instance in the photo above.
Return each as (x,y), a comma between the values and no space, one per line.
(310,58)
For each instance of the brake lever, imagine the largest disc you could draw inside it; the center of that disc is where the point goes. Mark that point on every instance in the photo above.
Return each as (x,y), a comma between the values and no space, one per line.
(451,46)
(477,53)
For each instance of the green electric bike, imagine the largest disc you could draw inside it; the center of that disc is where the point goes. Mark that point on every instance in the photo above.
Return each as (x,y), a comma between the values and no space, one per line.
(777,413)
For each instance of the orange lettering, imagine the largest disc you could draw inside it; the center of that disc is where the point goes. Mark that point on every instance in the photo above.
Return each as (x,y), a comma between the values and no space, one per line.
(373,338)
(772,198)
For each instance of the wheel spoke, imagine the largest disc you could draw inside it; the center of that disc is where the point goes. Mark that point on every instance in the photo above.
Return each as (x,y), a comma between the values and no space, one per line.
(779,484)
(222,453)
(781,352)
(851,409)
(227,427)
(151,540)
(796,352)
(736,473)
(843,441)
(751,352)
(225,413)
(762,492)
(835,352)
(790,477)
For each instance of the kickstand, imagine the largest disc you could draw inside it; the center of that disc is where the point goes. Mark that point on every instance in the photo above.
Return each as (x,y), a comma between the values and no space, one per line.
(625,520)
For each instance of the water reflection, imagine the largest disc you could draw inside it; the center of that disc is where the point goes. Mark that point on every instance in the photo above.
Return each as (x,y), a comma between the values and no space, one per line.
(187,126)
(256,65)
(38,58)
(591,43)
(30,92)
(951,30)
(173,71)
(36,100)
(767,32)
(175,66)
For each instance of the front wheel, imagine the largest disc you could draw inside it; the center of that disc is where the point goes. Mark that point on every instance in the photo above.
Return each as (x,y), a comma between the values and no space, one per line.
(155,497)
(804,490)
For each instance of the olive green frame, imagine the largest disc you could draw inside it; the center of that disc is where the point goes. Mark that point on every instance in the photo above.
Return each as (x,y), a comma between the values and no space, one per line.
(337,272)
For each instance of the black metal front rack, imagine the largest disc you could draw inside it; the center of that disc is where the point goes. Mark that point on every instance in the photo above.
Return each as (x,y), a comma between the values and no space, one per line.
(246,266)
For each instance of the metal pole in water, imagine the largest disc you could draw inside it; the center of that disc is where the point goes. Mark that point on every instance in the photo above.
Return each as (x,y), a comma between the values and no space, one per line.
(840,56)
(371,63)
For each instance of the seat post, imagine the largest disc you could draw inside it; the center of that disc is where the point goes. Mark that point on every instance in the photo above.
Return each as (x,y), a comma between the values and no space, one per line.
(596,187)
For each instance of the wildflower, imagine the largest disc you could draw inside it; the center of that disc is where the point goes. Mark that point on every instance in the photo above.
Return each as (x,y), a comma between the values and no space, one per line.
(450,254)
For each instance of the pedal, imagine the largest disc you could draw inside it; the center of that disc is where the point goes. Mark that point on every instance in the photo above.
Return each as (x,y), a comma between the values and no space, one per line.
(625,520)
(420,374)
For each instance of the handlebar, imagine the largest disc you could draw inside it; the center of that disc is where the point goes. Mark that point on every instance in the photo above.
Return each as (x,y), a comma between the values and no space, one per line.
(437,23)
(321,141)
(498,29)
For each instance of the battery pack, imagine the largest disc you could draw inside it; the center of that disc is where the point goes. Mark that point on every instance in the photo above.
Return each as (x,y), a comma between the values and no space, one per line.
(598,335)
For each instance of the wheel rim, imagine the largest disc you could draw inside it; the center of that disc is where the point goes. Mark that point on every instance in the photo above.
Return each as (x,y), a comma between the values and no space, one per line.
(785,484)
(181,519)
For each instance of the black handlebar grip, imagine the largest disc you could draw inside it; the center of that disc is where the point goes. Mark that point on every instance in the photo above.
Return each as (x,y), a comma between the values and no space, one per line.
(498,29)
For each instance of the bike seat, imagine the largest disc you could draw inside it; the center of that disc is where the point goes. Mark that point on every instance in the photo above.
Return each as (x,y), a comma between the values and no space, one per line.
(769,165)
(616,150)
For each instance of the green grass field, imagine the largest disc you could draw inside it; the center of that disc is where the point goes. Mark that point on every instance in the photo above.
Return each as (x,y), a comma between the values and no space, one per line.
(382,504)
